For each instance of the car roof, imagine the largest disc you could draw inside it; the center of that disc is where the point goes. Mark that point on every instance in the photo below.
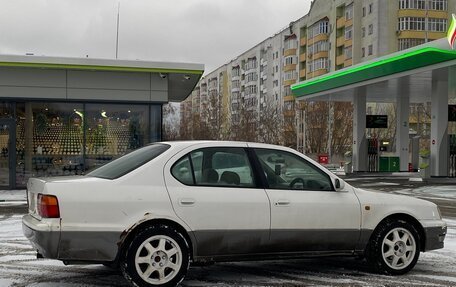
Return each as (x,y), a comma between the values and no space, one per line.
(188,143)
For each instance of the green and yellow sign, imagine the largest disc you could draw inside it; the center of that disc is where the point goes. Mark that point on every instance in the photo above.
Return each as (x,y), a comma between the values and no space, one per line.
(452,31)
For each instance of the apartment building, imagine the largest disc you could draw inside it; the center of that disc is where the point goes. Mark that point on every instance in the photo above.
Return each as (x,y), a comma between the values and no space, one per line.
(333,35)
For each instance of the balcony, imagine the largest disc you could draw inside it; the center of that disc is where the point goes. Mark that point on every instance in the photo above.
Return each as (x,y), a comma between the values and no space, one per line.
(289,67)
(302,73)
(340,41)
(412,34)
(340,22)
(316,73)
(412,13)
(321,37)
(348,63)
(340,60)
(289,52)
(289,98)
(321,54)
(289,82)
(302,57)
(303,41)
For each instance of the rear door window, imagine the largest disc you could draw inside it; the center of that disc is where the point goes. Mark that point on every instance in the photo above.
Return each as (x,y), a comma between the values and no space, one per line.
(129,162)
(221,166)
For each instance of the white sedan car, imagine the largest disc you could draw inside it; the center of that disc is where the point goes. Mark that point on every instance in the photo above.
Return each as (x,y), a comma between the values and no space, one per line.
(155,210)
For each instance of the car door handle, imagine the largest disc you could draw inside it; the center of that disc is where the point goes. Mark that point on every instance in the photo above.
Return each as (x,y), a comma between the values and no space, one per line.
(187,201)
(282,202)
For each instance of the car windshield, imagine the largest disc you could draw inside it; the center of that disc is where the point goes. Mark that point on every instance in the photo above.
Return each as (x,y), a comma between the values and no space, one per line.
(129,162)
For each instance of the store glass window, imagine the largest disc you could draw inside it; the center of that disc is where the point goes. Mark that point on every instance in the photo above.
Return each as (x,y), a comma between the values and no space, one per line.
(49,140)
(113,130)
(155,123)
(6,110)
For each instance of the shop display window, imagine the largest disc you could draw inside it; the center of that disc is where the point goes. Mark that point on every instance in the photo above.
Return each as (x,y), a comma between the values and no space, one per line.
(57,139)
(113,130)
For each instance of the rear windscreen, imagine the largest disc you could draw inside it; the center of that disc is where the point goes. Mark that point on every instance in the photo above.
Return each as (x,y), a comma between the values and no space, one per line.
(129,162)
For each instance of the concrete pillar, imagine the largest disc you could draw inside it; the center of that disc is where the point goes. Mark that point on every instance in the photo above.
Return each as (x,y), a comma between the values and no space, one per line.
(359,130)
(402,122)
(439,123)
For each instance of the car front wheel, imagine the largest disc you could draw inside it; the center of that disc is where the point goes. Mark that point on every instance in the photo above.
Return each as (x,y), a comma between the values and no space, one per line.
(394,247)
(157,256)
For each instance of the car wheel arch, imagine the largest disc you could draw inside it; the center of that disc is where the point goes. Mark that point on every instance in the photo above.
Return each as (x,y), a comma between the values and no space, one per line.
(128,235)
(409,219)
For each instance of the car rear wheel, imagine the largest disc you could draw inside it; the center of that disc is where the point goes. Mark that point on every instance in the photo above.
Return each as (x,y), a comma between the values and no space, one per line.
(157,256)
(394,248)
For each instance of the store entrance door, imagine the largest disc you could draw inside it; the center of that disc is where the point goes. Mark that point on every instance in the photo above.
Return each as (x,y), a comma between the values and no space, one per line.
(7,153)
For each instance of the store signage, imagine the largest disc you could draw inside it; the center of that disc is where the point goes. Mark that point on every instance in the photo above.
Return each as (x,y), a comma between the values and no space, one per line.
(376,121)
(452,113)
(452,32)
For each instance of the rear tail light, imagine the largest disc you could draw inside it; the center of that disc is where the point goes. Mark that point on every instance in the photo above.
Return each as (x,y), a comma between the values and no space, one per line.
(48,206)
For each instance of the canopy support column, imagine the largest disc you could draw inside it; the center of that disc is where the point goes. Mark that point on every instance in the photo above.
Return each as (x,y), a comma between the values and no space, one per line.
(439,123)
(359,130)
(402,122)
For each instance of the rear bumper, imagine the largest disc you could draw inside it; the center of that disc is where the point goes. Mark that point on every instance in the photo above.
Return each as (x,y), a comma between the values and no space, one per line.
(435,233)
(44,236)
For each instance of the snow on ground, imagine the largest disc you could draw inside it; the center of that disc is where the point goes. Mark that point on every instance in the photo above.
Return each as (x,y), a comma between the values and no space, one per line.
(20,268)
(13,195)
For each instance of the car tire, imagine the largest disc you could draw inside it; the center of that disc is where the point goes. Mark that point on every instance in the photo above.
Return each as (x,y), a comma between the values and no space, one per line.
(157,256)
(394,247)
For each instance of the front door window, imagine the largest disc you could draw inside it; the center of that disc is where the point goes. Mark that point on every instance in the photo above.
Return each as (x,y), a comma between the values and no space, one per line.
(285,170)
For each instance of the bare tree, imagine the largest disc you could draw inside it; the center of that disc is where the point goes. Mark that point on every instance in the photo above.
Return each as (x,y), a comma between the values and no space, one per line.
(271,124)
(170,122)
(342,128)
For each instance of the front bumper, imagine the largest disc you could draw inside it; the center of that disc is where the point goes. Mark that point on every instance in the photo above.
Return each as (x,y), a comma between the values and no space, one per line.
(435,233)
(44,236)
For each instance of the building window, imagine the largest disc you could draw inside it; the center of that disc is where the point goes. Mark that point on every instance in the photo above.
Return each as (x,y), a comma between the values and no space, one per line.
(409,43)
(363,32)
(236,84)
(318,47)
(349,12)
(412,23)
(318,64)
(437,25)
(251,77)
(371,29)
(236,71)
(250,90)
(412,4)
(348,53)
(321,27)
(371,8)
(364,11)
(251,64)
(439,5)
(290,60)
(370,50)
(363,52)
(290,43)
(290,75)
(287,91)
(348,32)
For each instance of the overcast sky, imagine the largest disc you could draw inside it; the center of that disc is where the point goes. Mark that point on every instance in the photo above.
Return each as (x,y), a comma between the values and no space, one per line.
(210,32)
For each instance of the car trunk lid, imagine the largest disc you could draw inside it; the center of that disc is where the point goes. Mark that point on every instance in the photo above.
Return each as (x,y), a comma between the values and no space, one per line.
(34,187)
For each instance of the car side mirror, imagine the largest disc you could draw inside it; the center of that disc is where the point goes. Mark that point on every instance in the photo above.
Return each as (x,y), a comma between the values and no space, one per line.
(339,184)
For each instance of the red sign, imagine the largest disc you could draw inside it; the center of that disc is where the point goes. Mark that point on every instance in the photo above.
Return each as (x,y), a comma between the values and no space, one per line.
(323,159)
